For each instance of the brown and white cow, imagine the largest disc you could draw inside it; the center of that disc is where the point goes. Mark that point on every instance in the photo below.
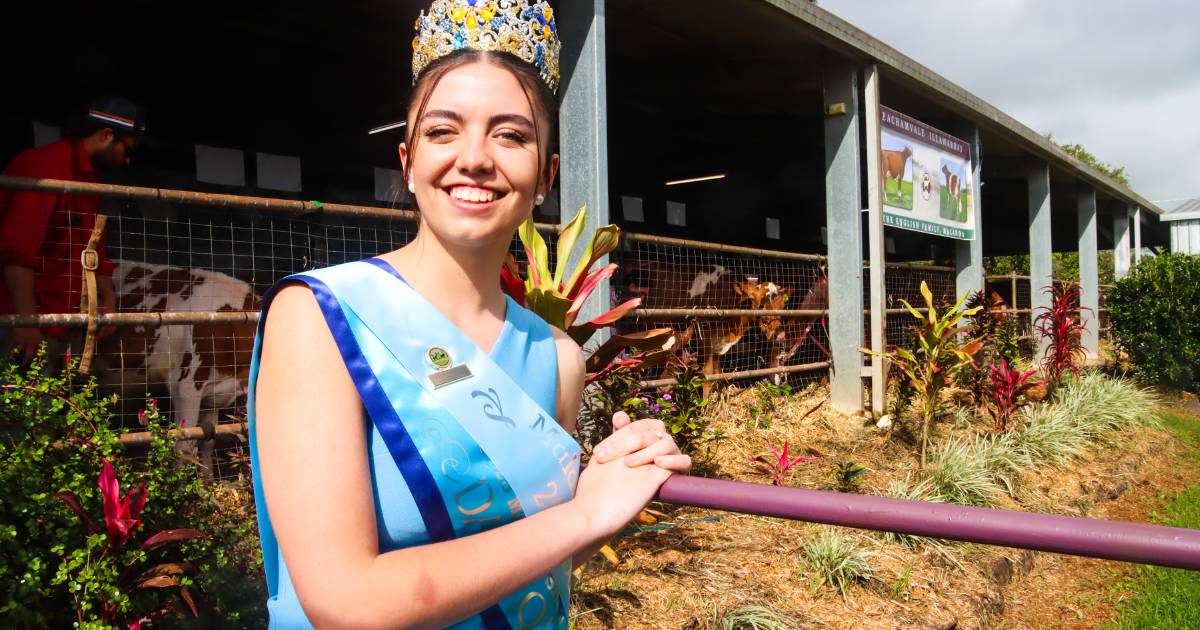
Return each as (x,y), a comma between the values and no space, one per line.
(202,368)
(951,186)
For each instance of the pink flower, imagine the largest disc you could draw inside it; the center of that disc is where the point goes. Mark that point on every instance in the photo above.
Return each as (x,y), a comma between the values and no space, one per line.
(120,514)
(666,397)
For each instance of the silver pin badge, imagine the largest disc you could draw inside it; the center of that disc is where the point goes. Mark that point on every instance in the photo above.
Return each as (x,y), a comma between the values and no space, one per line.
(445,371)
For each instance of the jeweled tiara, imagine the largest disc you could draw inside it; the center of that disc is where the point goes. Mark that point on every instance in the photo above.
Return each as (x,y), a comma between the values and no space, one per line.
(522,27)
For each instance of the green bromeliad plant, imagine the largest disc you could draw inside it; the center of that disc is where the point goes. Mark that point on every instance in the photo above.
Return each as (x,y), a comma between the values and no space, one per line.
(558,294)
(940,351)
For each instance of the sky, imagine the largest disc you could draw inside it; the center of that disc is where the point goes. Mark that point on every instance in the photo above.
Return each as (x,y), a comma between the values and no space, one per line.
(1120,78)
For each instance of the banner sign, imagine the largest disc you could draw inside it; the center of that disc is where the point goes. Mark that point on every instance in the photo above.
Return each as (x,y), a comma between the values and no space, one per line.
(926,178)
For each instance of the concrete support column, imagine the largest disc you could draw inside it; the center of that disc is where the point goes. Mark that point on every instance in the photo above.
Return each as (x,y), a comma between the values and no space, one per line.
(844,232)
(968,255)
(1089,273)
(1041,263)
(1121,244)
(1137,236)
(583,128)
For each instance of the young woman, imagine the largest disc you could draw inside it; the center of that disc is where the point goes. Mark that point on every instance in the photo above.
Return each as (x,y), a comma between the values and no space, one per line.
(408,469)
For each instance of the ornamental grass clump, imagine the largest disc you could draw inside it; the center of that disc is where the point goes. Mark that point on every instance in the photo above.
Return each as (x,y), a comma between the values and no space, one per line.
(960,474)
(1089,408)
(755,617)
(837,560)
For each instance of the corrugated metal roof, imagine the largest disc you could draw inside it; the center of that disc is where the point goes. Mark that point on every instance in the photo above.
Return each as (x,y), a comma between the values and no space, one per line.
(1187,205)
(1185,210)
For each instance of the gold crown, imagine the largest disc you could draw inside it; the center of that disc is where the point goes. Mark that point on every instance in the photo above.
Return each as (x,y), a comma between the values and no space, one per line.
(522,27)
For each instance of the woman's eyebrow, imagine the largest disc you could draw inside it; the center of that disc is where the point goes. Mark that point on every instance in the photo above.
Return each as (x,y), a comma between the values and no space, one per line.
(443,113)
(516,119)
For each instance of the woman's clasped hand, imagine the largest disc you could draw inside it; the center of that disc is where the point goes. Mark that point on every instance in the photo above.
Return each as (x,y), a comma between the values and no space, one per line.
(625,472)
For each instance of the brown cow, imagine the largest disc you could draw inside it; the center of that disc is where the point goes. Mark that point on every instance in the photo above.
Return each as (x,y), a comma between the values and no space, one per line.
(202,368)
(789,334)
(687,286)
(893,164)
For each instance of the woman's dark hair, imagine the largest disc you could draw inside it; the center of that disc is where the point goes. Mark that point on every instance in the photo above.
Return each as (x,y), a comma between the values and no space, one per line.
(542,101)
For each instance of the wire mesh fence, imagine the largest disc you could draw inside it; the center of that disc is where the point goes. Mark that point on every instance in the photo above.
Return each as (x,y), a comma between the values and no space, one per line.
(902,281)
(739,309)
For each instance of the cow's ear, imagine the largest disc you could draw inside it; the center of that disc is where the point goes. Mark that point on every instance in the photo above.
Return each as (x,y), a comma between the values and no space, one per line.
(740,289)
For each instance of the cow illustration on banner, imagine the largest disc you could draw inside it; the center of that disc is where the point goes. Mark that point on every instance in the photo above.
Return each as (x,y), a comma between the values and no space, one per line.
(926,178)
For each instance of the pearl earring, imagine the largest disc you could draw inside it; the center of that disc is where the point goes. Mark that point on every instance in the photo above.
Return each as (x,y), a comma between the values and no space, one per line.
(539,199)
(412,188)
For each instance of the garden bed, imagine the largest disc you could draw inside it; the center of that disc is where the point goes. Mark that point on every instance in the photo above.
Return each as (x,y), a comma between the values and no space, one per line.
(695,565)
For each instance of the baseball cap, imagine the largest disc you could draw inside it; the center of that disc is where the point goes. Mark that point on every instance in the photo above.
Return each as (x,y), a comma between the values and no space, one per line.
(119,113)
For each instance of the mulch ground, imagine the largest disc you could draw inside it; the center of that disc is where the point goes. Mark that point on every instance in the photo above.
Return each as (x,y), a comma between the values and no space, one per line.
(692,565)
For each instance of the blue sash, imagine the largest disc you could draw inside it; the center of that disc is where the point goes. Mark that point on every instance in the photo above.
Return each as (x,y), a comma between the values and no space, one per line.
(476,453)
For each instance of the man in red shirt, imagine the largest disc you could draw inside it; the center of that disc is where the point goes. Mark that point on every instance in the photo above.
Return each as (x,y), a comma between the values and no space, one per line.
(43,234)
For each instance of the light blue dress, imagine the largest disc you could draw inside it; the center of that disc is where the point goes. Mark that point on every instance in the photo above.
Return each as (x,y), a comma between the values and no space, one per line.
(525,350)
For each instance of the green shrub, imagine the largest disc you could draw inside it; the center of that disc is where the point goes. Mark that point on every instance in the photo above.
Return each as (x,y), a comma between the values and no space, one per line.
(1155,313)
(837,559)
(57,569)
(681,406)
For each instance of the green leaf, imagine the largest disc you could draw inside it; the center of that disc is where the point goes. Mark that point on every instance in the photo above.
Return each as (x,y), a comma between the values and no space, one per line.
(548,305)
(566,243)
(538,255)
(604,241)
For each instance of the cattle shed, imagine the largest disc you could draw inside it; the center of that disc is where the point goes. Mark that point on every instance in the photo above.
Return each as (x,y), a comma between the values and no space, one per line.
(1184,221)
(728,138)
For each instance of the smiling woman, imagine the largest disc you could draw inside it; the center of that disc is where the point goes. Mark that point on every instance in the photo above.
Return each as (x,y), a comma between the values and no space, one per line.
(408,471)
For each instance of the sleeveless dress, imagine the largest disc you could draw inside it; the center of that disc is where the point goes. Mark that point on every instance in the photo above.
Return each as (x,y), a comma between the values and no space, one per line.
(524,350)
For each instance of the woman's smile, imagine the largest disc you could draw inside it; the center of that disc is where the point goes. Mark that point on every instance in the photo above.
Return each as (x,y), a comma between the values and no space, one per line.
(473,199)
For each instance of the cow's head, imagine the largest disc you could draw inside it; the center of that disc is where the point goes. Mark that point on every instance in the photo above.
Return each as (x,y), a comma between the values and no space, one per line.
(765,296)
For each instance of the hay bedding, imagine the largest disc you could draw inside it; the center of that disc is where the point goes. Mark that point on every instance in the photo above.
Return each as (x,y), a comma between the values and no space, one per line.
(704,563)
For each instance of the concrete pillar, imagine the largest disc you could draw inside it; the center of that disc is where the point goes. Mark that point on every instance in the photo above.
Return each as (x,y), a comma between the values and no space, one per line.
(844,232)
(1137,235)
(968,255)
(1121,243)
(583,128)
(1041,263)
(1089,273)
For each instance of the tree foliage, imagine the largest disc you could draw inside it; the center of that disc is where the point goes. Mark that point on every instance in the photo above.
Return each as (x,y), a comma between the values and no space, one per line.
(1076,150)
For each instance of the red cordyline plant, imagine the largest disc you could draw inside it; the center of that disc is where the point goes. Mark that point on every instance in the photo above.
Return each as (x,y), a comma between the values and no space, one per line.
(1061,325)
(778,465)
(122,517)
(1008,389)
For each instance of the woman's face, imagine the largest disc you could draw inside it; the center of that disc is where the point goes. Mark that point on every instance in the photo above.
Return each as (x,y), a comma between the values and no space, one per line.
(475,167)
